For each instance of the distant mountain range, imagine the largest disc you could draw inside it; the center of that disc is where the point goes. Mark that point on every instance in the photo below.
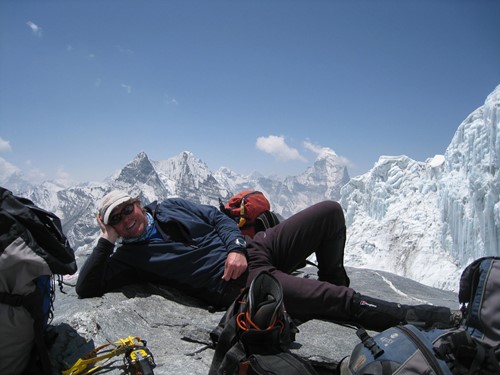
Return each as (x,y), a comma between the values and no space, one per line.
(421,220)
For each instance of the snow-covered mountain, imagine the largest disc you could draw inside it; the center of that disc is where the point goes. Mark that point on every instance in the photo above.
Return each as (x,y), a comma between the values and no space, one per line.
(421,220)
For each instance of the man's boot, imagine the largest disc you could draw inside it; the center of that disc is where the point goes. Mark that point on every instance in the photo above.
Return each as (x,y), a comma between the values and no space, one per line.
(378,315)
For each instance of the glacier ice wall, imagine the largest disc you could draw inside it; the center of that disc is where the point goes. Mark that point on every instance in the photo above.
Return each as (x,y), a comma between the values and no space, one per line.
(470,187)
(428,220)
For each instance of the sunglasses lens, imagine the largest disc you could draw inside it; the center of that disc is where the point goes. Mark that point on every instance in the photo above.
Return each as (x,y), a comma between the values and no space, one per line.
(115,219)
(127,210)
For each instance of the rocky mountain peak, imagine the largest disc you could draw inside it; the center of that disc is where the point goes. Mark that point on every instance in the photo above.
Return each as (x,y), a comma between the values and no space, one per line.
(401,216)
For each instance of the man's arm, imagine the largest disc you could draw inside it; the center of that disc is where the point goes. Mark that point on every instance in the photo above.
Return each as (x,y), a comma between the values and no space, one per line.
(226,227)
(228,232)
(100,273)
(236,261)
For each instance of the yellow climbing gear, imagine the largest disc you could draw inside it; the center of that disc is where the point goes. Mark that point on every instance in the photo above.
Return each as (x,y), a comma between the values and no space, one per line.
(138,359)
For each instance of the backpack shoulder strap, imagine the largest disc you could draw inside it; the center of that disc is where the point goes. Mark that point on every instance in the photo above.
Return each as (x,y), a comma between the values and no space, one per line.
(228,350)
(266,220)
(281,363)
(228,362)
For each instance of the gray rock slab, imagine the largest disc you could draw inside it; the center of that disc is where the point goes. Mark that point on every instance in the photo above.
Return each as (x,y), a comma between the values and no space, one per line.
(177,327)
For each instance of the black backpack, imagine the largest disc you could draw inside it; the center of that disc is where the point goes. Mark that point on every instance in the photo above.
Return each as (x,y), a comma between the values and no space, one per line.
(472,347)
(34,253)
(255,333)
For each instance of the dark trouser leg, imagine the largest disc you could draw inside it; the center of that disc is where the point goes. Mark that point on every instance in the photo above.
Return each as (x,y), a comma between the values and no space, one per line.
(318,229)
(281,249)
(321,229)
(312,299)
(331,260)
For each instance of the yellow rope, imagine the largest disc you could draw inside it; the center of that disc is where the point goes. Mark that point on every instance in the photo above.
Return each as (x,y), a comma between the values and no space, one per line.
(121,346)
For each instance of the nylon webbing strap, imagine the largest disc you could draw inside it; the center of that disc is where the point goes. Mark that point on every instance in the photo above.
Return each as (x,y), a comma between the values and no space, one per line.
(232,359)
(225,341)
(12,299)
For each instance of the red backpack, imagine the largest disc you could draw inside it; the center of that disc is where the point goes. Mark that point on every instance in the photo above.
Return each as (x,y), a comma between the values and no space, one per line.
(251,210)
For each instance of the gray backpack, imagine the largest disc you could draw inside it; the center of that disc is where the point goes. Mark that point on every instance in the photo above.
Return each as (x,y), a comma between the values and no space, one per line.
(33,250)
(472,347)
(397,350)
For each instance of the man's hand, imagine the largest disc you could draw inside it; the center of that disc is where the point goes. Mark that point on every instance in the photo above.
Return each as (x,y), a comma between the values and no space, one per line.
(108,232)
(236,264)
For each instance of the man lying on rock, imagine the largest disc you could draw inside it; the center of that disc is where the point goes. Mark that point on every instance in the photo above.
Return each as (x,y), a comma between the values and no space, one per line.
(202,251)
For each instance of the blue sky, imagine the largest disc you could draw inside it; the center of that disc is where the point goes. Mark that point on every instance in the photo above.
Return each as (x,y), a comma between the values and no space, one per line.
(87,85)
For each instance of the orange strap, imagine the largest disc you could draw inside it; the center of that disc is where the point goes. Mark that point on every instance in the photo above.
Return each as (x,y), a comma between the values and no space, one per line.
(245,323)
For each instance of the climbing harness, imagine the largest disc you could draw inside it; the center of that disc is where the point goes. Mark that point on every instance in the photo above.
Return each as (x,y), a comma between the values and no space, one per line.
(138,359)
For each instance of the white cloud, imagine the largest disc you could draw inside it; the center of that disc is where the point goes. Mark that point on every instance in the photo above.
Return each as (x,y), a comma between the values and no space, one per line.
(127,88)
(276,145)
(98,82)
(320,150)
(37,30)
(64,178)
(61,173)
(169,100)
(7,169)
(124,50)
(35,175)
(4,145)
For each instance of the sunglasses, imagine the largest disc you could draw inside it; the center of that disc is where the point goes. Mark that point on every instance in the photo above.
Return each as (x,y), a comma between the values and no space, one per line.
(116,218)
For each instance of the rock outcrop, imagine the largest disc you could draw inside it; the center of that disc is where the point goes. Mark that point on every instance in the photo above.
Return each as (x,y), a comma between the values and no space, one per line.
(177,327)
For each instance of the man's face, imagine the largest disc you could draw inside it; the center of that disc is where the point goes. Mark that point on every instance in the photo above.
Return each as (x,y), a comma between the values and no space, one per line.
(129,220)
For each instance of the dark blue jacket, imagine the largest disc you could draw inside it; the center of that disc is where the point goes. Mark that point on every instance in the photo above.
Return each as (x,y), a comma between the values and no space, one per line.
(196,241)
